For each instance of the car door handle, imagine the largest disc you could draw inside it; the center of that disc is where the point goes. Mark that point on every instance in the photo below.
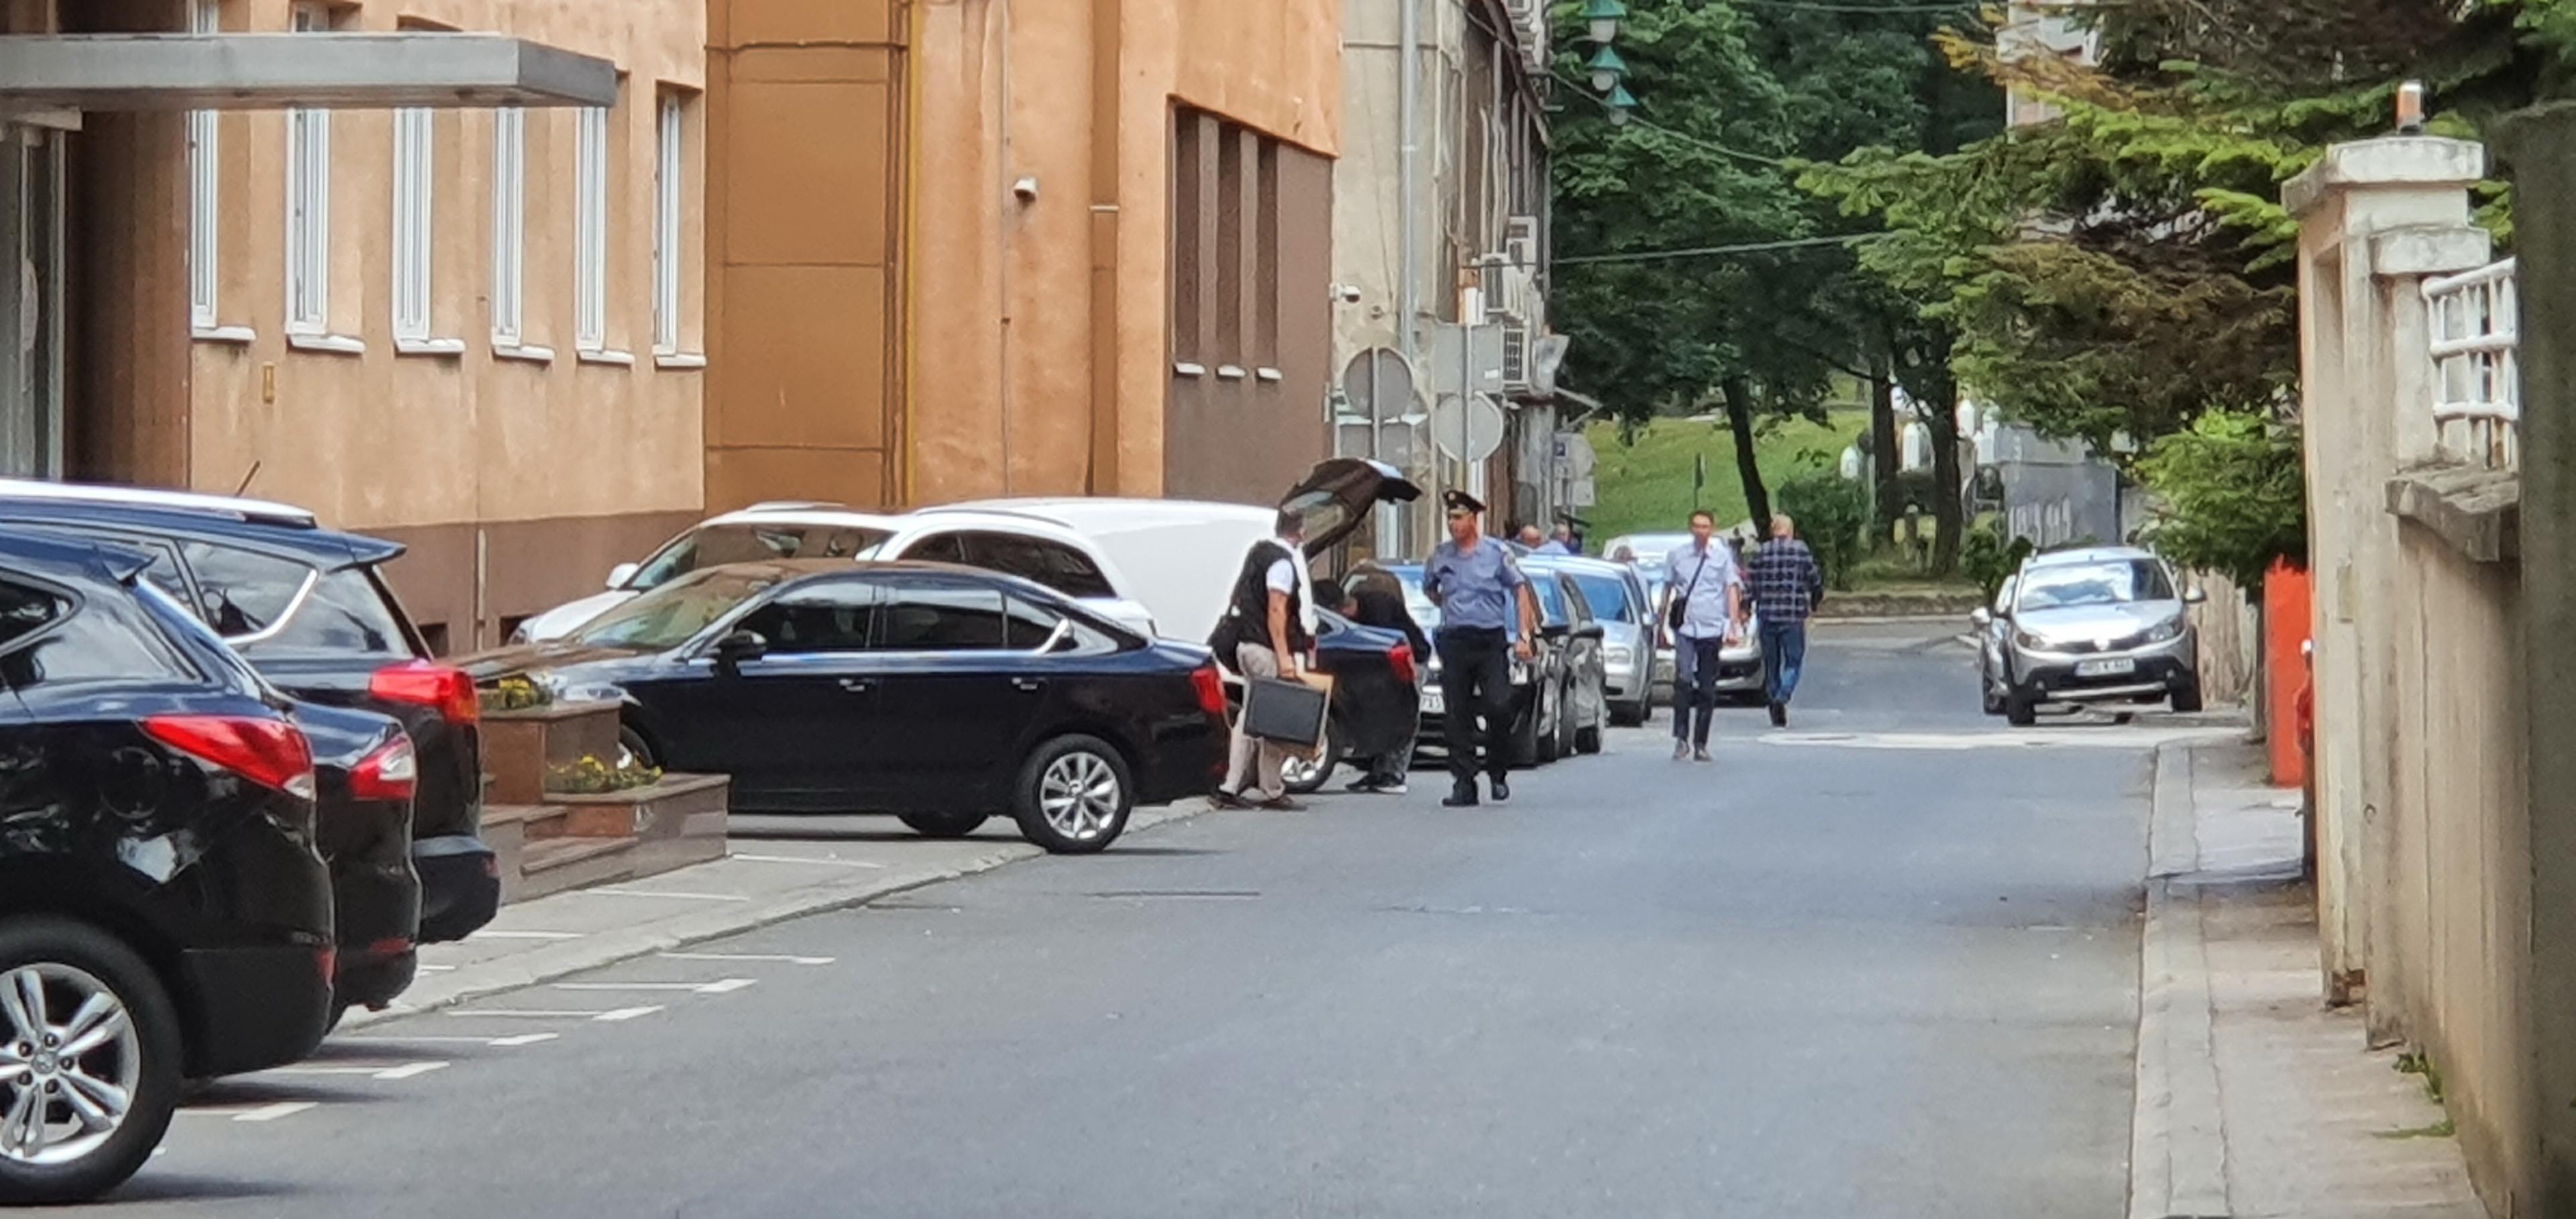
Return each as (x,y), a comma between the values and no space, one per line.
(858,685)
(1028,684)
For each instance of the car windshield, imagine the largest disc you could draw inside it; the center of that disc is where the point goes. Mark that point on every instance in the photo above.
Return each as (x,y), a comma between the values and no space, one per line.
(1608,596)
(1425,614)
(2112,583)
(673,614)
(750,542)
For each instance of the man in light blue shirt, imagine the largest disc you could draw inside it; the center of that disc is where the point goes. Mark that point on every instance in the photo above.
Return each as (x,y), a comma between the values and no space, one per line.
(1705,612)
(1487,616)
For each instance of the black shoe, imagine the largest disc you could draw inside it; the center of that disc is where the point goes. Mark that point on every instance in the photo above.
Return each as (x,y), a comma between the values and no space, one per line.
(1502,788)
(1779,715)
(1462,795)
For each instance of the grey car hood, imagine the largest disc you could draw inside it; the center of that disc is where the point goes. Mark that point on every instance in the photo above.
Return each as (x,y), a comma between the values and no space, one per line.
(2096,622)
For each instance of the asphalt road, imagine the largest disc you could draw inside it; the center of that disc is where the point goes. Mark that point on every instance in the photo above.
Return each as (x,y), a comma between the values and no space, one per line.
(1881,965)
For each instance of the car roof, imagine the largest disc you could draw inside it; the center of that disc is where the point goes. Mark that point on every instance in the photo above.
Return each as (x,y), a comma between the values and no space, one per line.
(2088,554)
(1580,565)
(63,555)
(1091,512)
(266,511)
(160,516)
(795,513)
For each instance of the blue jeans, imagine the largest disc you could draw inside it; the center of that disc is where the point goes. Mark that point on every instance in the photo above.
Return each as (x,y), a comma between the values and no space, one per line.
(1784,654)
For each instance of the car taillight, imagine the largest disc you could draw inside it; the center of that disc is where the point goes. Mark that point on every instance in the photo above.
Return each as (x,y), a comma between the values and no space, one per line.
(1400,658)
(271,753)
(423,684)
(390,773)
(1211,689)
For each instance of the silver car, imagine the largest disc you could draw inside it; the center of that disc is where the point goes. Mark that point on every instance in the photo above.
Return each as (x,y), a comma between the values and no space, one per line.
(1626,611)
(2099,625)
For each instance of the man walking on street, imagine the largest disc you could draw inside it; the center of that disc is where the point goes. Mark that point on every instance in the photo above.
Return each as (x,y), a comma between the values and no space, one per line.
(1264,632)
(1487,615)
(1376,599)
(1705,613)
(1786,586)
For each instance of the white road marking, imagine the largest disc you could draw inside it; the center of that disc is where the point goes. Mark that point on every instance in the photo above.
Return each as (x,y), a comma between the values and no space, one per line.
(686,897)
(500,1042)
(827,863)
(437,969)
(772,957)
(489,934)
(723,987)
(411,1070)
(400,1070)
(253,1113)
(612,1014)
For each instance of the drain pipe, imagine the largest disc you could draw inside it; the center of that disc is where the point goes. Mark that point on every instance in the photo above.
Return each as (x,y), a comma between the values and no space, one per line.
(1408,76)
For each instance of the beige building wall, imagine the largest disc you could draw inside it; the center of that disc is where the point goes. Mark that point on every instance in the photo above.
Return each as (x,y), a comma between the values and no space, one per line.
(538,473)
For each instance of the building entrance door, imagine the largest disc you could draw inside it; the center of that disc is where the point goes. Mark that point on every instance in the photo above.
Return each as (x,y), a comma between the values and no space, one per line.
(31,302)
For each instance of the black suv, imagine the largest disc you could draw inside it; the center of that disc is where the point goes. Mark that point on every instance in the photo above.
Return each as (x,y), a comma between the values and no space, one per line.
(309,608)
(163,911)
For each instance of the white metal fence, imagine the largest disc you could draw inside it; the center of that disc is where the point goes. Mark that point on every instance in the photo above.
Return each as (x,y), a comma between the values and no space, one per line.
(2477,389)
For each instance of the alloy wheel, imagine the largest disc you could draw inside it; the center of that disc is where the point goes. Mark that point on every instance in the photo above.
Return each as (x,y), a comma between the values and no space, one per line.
(69,1066)
(1079,795)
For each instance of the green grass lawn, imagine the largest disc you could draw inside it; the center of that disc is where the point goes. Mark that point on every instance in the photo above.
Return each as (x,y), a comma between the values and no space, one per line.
(1646,487)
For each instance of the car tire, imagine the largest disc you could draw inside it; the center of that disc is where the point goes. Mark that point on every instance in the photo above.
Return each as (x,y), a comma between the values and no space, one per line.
(1994,703)
(2021,707)
(2186,697)
(1588,740)
(73,964)
(1549,727)
(1630,717)
(1527,742)
(943,825)
(1074,795)
(1303,778)
(636,747)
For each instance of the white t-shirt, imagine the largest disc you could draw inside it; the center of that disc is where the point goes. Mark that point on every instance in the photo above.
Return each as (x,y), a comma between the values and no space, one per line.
(1283,577)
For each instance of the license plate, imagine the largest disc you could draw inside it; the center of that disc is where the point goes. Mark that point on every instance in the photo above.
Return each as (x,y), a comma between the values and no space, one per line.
(1431,702)
(2105,668)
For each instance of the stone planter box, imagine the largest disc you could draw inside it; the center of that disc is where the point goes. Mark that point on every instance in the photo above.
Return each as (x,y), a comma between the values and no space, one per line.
(520,747)
(677,806)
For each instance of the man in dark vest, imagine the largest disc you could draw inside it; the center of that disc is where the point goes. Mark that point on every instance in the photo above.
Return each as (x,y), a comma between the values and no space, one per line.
(1263,634)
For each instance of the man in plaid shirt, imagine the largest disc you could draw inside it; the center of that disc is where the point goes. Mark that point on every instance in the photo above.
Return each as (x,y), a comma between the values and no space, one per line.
(1786,584)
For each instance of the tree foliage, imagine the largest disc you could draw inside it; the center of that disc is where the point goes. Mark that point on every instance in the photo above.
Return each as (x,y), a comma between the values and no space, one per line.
(1832,512)
(2233,498)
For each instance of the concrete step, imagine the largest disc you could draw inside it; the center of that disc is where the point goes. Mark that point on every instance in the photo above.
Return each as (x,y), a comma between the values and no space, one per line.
(554,865)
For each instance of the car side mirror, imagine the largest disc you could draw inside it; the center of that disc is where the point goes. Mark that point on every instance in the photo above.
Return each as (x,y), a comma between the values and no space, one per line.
(1591,630)
(1556,630)
(2194,596)
(620,574)
(1982,616)
(734,649)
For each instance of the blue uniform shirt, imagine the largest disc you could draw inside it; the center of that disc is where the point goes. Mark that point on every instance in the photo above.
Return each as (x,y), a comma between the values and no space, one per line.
(1475,589)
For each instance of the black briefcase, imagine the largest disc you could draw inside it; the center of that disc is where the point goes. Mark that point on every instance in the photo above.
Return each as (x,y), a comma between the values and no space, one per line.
(1289,713)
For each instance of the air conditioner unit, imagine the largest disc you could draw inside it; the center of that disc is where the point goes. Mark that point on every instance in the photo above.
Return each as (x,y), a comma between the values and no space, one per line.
(1516,355)
(1520,242)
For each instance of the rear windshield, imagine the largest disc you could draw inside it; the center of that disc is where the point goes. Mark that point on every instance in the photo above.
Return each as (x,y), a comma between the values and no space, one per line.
(347,612)
(1608,596)
(717,545)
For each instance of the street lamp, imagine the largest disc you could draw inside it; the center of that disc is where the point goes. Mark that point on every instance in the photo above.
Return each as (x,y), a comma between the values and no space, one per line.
(1604,17)
(1607,69)
(1621,102)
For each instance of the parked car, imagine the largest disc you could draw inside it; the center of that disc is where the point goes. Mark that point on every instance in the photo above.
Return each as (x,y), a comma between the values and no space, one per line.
(1617,597)
(1541,728)
(2096,625)
(1377,694)
(168,916)
(943,695)
(1567,623)
(1012,543)
(1994,634)
(310,610)
(364,774)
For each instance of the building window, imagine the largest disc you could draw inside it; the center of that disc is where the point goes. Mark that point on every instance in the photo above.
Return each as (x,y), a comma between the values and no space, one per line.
(590,232)
(669,198)
(308,203)
(509,224)
(414,192)
(205,174)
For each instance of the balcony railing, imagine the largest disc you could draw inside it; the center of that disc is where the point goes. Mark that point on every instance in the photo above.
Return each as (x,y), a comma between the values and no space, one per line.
(2477,390)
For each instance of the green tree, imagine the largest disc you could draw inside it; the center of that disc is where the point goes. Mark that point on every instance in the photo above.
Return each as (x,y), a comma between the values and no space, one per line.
(2234,497)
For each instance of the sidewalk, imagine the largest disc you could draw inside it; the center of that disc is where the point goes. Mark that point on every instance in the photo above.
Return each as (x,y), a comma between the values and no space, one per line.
(2254,1099)
(766,877)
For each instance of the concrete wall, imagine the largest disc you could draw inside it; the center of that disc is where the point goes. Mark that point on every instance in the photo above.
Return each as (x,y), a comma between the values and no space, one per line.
(2231,645)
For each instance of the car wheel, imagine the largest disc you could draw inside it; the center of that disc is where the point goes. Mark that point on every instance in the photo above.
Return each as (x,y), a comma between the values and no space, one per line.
(1994,703)
(1588,740)
(1527,740)
(2021,707)
(1074,795)
(943,825)
(1306,776)
(89,1061)
(2186,697)
(1550,726)
(1628,717)
(637,749)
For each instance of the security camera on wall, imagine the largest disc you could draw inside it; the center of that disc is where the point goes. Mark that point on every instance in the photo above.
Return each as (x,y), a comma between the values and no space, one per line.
(1347,294)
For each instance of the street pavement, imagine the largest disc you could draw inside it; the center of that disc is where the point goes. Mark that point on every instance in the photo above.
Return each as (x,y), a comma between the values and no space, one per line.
(1883,964)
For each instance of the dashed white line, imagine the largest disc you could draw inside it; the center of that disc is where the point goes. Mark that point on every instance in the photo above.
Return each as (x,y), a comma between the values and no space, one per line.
(772,957)
(505,1043)
(380,1070)
(489,934)
(724,986)
(684,897)
(411,1070)
(253,1113)
(818,862)
(611,1015)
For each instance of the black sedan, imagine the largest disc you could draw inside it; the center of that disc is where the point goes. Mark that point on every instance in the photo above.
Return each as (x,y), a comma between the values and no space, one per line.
(1377,695)
(941,694)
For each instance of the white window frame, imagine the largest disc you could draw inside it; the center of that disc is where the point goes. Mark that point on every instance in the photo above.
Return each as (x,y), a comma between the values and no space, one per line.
(308,202)
(509,226)
(415,244)
(590,230)
(205,204)
(669,197)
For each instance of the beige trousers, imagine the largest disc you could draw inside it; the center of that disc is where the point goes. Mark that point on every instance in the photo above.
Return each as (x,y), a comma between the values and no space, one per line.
(1255,660)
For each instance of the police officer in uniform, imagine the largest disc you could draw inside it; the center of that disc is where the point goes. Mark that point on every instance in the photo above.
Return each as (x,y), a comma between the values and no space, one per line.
(1487,615)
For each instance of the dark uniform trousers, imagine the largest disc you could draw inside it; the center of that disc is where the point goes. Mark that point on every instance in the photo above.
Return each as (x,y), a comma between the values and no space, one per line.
(1476,680)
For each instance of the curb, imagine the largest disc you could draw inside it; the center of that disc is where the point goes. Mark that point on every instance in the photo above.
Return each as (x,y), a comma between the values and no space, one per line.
(555,962)
(2177,1133)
